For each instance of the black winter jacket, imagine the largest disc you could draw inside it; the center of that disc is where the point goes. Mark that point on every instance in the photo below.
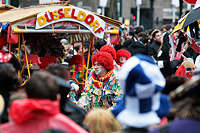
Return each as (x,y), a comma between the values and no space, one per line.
(162,57)
(137,48)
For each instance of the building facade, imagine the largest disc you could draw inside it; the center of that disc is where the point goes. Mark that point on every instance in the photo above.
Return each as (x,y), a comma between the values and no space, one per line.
(162,11)
(126,9)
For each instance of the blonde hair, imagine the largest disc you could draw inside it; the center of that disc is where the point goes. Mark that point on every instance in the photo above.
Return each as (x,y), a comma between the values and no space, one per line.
(101,121)
(188,63)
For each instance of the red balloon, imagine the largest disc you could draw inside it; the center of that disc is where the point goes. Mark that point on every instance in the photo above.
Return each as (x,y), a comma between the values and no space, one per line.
(193,2)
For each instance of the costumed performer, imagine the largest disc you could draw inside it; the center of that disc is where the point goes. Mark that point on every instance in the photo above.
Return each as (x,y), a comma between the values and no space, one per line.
(102,87)
(122,56)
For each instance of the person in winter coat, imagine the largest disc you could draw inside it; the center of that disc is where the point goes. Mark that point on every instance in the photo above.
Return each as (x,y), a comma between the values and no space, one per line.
(149,38)
(40,111)
(188,121)
(134,34)
(166,32)
(67,107)
(160,53)
(139,47)
(172,82)
(9,81)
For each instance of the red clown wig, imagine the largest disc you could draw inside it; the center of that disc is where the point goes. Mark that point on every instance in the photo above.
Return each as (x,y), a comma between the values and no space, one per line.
(109,49)
(48,59)
(122,52)
(105,59)
(76,60)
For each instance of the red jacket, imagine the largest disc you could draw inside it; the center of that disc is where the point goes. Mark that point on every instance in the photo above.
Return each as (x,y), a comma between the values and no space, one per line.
(38,115)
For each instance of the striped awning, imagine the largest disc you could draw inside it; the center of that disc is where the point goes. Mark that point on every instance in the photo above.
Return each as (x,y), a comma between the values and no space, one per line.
(86,37)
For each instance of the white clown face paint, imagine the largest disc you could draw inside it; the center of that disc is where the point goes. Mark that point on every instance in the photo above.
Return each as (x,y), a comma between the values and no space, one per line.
(98,71)
(122,59)
(5,49)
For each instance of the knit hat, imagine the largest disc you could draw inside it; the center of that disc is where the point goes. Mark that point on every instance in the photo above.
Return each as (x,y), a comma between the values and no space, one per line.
(122,52)
(109,49)
(142,83)
(105,59)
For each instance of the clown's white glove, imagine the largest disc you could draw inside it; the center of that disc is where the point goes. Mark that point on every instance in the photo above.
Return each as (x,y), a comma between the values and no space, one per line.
(74,87)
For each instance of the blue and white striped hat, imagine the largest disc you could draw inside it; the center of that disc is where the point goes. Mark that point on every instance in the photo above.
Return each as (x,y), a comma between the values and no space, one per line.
(142,83)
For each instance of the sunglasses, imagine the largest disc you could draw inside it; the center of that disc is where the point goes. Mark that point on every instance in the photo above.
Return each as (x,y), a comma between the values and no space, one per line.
(190,68)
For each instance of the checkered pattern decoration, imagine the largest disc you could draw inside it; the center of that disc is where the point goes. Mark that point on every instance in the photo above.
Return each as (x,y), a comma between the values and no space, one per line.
(142,83)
